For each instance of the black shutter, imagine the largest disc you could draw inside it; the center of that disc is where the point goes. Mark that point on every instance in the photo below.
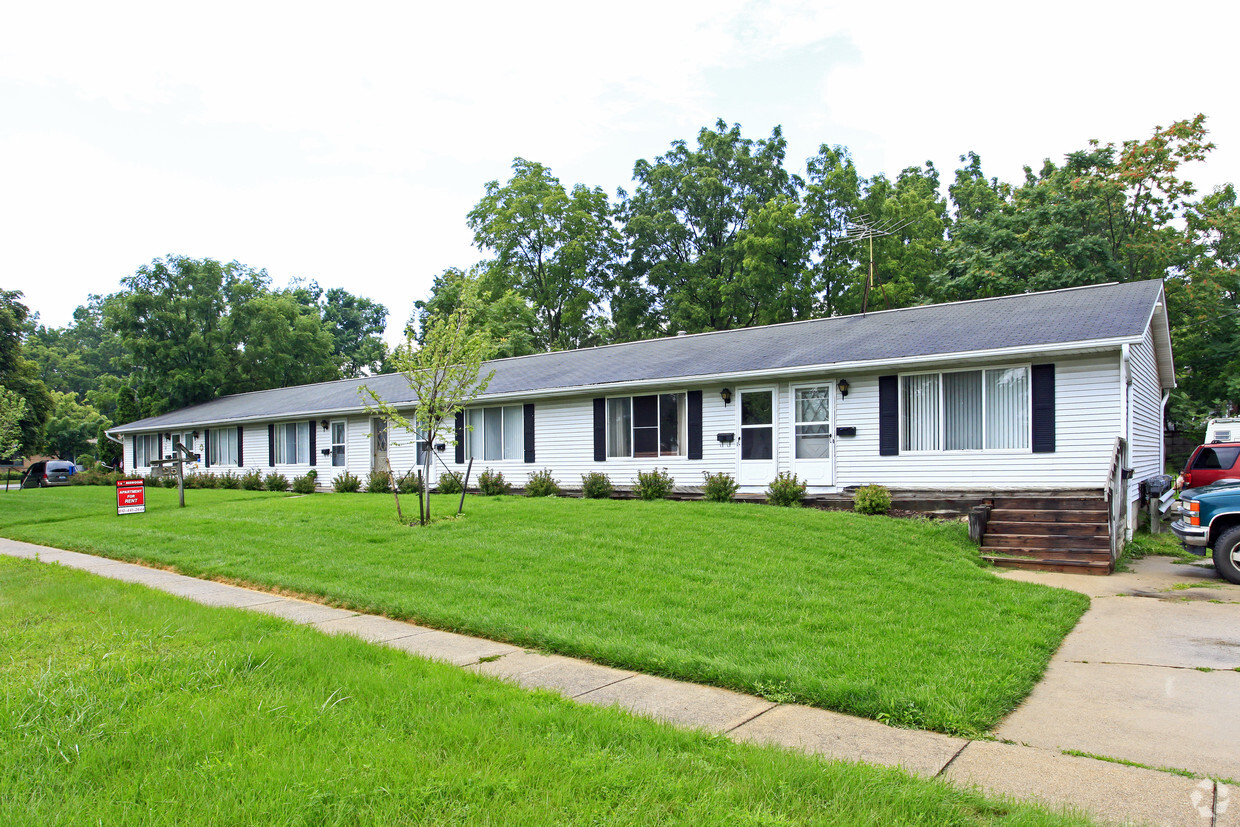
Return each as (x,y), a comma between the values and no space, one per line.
(206,447)
(888,415)
(240,443)
(695,424)
(529,431)
(159,451)
(600,429)
(1043,377)
(271,445)
(314,443)
(133,451)
(460,437)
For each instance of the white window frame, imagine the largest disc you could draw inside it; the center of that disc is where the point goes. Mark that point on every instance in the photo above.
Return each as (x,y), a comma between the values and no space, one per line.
(942,419)
(332,443)
(470,436)
(295,425)
(682,426)
(214,439)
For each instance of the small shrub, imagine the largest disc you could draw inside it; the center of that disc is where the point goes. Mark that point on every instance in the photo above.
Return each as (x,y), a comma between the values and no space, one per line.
(230,480)
(654,485)
(449,483)
(275,482)
(192,480)
(542,484)
(86,461)
(719,488)
(303,484)
(872,499)
(210,480)
(378,482)
(785,490)
(168,481)
(596,486)
(152,480)
(409,484)
(252,480)
(492,483)
(346,483)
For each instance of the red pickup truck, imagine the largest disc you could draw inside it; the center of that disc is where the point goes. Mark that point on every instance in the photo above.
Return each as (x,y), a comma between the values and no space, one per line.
(1211,463)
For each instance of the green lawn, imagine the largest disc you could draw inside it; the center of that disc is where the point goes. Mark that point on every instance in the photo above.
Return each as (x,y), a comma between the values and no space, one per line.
(120,705)
(889,619)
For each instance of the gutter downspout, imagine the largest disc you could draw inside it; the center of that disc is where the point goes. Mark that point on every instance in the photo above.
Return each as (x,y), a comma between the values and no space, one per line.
(1125,388)
(1162,434)
(120,442)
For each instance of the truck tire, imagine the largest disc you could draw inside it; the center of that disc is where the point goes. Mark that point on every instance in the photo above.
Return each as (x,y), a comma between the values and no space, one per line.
(1227,555)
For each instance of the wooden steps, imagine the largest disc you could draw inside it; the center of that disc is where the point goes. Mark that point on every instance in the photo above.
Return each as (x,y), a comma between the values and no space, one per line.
(1062,534)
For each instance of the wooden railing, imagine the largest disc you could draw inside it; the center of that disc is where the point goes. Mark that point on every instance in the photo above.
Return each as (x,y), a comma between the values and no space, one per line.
(1116,494)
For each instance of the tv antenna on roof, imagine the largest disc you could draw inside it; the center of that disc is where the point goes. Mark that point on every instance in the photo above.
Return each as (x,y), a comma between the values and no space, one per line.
(864,228)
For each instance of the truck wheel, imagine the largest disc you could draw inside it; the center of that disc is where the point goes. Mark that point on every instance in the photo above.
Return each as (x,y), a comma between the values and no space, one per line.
(1227,555)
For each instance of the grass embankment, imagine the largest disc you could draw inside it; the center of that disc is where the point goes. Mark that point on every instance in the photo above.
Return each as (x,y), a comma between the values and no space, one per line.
(120,705)
(889,619)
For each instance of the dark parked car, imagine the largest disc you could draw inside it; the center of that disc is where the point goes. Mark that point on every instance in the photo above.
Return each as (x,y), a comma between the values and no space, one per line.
(50,472)
(1209,521)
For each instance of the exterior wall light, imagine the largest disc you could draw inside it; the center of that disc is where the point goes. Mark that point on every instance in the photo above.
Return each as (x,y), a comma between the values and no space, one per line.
(726,395)
(843,386)
(325,424)
(194,435)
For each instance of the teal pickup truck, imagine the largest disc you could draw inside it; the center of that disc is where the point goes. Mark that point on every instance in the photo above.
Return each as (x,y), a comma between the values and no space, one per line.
(1209,518)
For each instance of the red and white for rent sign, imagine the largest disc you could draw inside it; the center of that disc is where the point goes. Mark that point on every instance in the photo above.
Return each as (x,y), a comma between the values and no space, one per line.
(130,496)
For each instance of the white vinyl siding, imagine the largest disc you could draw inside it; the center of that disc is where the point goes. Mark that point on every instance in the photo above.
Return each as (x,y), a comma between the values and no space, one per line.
(1145,413)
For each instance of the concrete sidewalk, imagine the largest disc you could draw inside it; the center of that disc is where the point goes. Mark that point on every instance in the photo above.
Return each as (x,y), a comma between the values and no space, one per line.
(1106,790)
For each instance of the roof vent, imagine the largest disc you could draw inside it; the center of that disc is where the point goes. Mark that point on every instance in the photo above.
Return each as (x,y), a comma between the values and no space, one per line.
(682,333)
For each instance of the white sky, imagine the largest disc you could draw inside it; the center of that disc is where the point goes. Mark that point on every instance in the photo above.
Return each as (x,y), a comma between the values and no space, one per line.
(346,142)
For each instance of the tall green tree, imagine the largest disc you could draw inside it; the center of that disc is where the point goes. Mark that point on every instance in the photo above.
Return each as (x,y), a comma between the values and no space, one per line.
(356,325)
(685,224)
(553,248)
(281,343)
(73,428)
(1107,214)
(832,202)
(19,375)
(505,318)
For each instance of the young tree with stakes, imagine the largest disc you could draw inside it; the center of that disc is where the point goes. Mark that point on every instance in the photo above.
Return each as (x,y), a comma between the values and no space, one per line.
(444,373)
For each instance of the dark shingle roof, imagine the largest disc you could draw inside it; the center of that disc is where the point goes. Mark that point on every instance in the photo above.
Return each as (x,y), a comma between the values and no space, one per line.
(1058,317)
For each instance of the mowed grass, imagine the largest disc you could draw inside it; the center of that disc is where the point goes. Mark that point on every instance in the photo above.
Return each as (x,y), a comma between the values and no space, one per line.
(120,705)
(884,618)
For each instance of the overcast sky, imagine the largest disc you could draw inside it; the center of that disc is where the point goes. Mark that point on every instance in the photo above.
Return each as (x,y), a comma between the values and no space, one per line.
(346,142)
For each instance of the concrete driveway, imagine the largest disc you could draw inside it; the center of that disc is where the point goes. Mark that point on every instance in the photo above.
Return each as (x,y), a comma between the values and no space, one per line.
(1151,673)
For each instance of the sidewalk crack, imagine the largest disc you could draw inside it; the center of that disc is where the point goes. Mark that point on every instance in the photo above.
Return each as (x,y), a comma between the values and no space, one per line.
(752,717)
(604,686)
(952,760)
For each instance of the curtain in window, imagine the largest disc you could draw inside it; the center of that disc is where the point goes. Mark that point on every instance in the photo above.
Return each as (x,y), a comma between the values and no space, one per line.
(920,425)
(514,432)
(1007,408)
(493,428)
(962,411)
(223,446)
(619,427)
(474,438)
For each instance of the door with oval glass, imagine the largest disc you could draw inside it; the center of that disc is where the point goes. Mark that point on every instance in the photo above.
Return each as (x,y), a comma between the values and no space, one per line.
(813,459)
(379,444)
(756,409)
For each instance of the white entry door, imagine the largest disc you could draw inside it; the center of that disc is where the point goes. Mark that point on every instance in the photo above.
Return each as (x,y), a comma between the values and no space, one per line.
(813,459)
(756,408)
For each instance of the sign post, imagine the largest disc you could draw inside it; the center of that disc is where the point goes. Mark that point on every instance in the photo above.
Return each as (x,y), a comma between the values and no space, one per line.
(131,496)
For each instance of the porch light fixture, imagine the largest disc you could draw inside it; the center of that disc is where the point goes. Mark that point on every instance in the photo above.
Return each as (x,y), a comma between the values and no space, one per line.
(194,434)
(325,424)
(726,395)
(843,386)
